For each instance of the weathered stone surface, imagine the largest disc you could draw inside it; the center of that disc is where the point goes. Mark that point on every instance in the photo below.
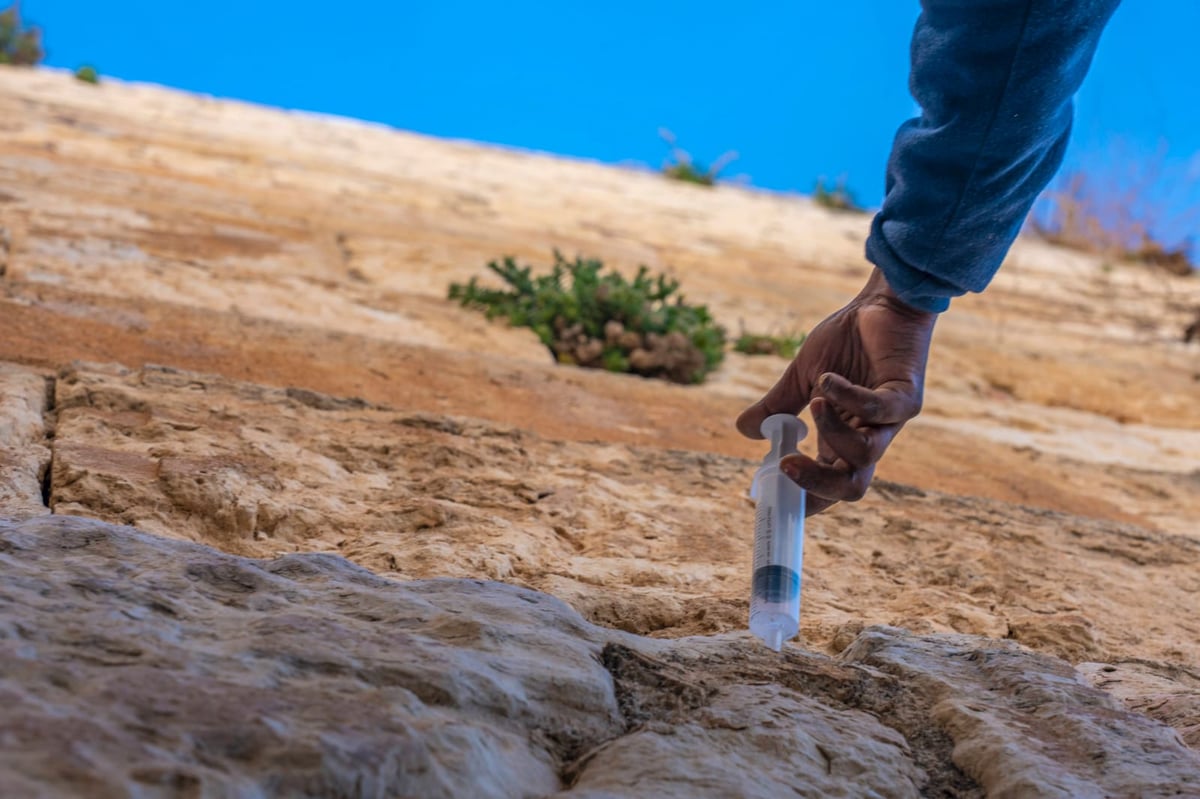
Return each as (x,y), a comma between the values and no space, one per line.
(1162,691)
(754,741)
(956,675)
(636,538)
(24,432)
(137,665)
(134,664)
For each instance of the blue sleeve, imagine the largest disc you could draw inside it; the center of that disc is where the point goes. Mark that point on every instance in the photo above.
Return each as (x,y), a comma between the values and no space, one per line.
(994,79)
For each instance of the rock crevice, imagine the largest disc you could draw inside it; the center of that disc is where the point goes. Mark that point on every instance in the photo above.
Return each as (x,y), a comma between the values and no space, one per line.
(26,441)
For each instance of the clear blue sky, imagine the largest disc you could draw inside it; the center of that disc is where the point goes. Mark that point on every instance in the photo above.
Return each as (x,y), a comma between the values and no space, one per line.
(799,89)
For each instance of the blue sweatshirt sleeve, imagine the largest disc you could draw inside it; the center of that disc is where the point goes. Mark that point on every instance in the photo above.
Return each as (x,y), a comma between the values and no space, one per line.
(995,81)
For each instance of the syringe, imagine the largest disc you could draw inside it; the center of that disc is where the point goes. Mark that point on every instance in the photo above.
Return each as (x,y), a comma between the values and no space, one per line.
(778,537)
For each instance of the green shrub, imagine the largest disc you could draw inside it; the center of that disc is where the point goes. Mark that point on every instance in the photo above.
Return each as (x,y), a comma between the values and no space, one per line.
(839,198)
(681,166)
(87,74)
(604,321)
(785,346)
(19,45)
(690,173)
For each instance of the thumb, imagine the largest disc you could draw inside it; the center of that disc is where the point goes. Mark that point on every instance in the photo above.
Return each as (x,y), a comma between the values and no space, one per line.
(789,395)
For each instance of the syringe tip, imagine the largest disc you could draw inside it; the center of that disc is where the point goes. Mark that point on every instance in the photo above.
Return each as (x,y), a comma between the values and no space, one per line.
(775,640)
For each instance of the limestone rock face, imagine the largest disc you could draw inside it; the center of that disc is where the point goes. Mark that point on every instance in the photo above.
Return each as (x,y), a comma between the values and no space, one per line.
(636,538)
(278,519)
(136,664)
(132,664)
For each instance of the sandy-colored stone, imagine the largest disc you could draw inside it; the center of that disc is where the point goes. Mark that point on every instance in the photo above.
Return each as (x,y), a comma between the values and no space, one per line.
(646,541)
(25,429)
(318,393)
(1165,692)
(138,665)
(296,250)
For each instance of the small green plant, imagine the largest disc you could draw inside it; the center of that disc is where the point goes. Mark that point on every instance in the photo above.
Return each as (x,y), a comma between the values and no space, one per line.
(604,321)
(681,166)
(19,46)
(785,346)
(689,173)
(839,198)
(87,74)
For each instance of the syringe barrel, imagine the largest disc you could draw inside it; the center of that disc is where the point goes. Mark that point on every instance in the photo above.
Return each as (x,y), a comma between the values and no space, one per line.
(778,556)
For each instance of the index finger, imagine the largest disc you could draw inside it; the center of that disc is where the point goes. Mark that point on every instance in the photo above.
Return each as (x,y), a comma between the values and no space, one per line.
(789,395)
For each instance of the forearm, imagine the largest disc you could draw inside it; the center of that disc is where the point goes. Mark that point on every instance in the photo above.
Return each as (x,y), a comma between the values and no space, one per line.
(995,82)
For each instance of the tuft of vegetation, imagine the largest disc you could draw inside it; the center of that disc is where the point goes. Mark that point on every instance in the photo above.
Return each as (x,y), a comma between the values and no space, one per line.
(839,198)
(785,346)
(19,45)
(87,74)
(603,321)
(1120,208)
(681,166)
(689,173)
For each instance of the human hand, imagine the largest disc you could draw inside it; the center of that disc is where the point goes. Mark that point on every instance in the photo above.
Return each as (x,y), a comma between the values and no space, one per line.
(863,371)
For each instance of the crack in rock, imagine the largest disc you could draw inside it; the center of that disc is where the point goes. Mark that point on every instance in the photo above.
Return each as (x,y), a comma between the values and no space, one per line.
(26,442)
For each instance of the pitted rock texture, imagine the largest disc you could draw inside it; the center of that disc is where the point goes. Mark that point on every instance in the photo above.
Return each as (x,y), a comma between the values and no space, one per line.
(643,540)
(138,665)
